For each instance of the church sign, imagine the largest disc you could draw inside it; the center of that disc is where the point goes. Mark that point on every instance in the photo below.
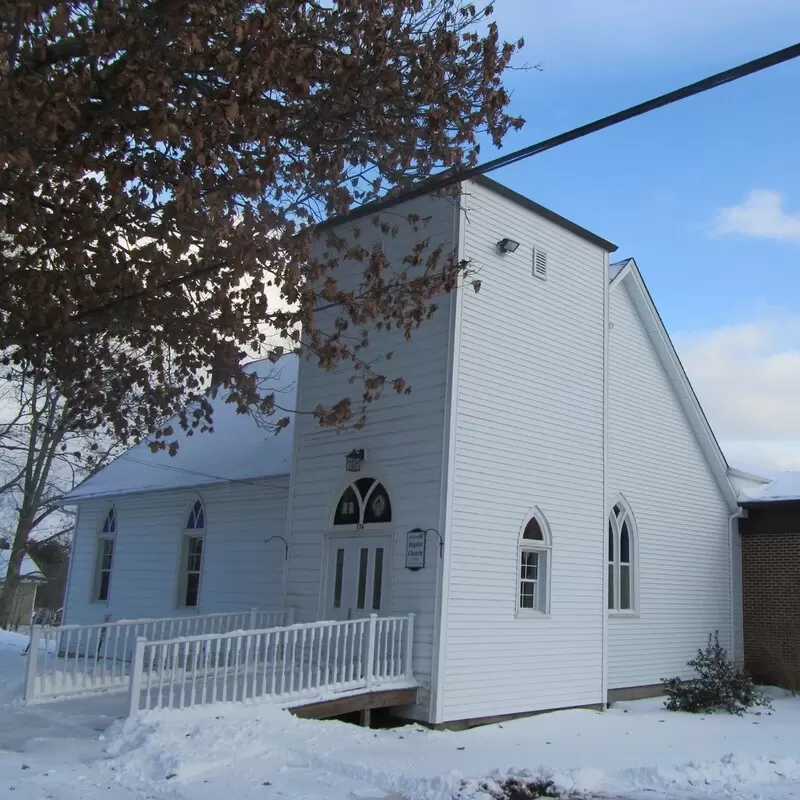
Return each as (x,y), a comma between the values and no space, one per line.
(415,549)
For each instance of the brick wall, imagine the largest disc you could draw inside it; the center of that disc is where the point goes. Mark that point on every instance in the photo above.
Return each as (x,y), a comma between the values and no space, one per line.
(771,596)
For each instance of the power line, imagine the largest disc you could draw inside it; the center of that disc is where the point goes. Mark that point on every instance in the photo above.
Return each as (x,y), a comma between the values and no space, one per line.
(706,84)
(451,177)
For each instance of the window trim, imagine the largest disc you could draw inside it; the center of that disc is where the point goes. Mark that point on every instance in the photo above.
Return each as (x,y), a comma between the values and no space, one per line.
(544,550)
(614,566)
(104,536)
(187,534)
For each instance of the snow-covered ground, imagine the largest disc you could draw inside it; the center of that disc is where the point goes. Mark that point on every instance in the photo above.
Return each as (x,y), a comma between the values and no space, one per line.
(79,750)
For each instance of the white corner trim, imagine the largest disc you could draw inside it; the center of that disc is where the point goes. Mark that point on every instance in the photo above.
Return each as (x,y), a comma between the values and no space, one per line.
(287,528)
(71,562)
(448,477)
(604,521)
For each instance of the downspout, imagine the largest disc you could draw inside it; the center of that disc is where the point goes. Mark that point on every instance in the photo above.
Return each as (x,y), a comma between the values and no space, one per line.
(733,531)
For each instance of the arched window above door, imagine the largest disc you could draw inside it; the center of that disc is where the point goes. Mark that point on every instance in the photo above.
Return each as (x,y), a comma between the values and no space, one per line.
(365,502)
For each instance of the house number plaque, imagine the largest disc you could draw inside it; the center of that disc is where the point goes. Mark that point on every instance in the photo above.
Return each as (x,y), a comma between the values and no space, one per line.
(415,549)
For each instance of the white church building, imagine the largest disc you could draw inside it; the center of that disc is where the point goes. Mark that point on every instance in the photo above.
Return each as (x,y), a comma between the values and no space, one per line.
(549,501)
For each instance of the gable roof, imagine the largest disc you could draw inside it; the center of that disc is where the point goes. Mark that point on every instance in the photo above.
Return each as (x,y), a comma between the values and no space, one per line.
(237,450)
(482,180)
(29,569)
(617,267)
(627,273)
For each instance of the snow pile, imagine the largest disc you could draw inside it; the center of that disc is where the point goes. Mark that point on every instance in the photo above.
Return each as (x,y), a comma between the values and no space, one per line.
(187,746)
(10,641)
(631,750)
(12,666)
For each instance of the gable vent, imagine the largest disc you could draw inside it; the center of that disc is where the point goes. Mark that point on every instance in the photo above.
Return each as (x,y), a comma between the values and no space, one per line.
(539,263)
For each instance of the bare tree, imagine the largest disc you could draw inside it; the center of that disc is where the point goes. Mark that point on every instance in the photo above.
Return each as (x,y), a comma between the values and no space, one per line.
(45,450)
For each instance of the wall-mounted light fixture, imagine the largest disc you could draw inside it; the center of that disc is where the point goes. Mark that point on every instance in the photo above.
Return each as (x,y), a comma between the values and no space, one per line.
(353,460)
(507,245)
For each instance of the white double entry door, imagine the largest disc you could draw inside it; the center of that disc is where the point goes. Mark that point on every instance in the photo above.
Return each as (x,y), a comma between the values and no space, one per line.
(359,576)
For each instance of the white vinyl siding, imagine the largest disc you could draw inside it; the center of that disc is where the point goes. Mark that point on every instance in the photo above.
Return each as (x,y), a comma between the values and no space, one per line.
(529,431)
(404,443)
(240,571)
(681,517)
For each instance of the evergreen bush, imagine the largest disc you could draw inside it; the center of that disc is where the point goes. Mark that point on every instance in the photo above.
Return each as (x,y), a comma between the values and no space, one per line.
(718,686)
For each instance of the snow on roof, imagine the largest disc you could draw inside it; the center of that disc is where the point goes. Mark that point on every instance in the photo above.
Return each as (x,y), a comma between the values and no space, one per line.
(238,449)
(748,481)
(785,487)
(29,568)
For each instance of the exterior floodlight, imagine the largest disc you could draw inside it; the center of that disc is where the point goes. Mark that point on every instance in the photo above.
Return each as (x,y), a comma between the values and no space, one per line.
(507,245)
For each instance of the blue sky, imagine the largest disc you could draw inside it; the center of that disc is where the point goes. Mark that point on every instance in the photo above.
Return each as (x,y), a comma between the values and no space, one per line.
(705,194)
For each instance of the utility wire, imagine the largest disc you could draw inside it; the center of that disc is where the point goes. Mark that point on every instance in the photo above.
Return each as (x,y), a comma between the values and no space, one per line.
(440,182)
(451,177)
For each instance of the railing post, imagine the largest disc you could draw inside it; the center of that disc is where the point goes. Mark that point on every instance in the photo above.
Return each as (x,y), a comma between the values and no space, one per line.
(369,667)
(33,651)
(409,666)
(137,670)
(253,613)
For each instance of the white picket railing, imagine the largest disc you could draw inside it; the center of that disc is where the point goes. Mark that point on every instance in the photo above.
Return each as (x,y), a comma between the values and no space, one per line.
(73,659)
(299,663)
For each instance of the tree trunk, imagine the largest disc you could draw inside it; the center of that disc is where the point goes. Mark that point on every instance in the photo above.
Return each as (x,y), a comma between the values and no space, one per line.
(47,426)
(9,593)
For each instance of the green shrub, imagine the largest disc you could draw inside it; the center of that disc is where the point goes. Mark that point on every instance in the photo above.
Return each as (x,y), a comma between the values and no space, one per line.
(719,685)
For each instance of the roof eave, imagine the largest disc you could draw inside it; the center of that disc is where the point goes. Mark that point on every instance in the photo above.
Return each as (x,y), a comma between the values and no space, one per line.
(765,502)
(542,211)
(194,487)
(489,183)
